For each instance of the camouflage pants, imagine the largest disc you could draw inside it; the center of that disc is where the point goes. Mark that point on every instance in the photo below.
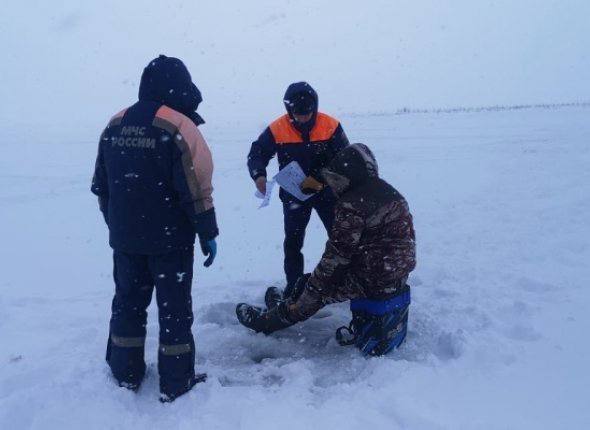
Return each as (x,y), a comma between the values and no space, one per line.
(305,300)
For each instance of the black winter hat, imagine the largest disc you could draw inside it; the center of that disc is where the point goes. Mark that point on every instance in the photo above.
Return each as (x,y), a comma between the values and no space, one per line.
(300,99)
(167,80)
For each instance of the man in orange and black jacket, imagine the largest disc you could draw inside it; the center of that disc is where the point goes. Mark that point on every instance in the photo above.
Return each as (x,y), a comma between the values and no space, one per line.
(312,139)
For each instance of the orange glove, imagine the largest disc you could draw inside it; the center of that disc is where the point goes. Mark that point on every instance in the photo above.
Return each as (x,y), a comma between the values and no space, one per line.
(311,185)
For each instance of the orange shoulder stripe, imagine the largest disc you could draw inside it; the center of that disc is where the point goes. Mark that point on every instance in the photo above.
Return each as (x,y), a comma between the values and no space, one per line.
(284,132)
(196,156)
(116,120)
(325,127)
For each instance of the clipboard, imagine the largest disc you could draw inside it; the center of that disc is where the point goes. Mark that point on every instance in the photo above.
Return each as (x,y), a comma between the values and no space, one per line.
(290,178)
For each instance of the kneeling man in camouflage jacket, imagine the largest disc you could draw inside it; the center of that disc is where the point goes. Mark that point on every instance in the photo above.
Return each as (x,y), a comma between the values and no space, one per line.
(369,254)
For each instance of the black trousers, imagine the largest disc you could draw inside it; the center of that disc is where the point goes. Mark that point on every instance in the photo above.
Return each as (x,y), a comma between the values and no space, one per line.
(135,278)
(296,217)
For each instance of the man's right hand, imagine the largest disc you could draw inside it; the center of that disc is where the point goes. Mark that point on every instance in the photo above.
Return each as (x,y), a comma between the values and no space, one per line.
(261,184)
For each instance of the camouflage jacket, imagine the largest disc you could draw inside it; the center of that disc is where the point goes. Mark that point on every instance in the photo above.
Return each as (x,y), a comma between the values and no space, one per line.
(371,249)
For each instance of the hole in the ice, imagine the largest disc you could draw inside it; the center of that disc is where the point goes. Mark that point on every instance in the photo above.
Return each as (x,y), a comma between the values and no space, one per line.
(259,358)
(226,381)
(265,381)
(270,380)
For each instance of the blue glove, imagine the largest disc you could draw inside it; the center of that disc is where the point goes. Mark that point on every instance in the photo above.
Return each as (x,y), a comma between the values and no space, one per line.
(209,248)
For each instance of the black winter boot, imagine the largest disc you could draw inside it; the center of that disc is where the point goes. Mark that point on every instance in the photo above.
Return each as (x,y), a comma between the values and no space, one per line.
(170,397)
(293,291)
(261,320)
(273,297)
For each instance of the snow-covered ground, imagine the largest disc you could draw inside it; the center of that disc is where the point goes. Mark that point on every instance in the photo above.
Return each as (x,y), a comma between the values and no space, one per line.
(498,325)
(501,200)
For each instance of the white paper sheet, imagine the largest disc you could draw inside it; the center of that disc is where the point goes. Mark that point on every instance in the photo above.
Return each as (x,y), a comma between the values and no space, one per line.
(266,197)
(290,178)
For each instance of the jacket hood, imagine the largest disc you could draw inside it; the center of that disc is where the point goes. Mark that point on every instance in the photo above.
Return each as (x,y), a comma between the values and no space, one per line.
(351,167)
(167,80)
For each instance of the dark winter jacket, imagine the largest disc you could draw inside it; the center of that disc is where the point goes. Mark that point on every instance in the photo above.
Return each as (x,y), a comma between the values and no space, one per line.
(372,247)
(313,145)
(153,170)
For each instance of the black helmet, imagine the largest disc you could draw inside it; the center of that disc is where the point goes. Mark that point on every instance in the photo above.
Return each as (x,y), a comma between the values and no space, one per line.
(300,99)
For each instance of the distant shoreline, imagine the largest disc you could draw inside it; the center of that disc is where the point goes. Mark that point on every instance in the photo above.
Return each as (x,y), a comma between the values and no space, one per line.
(473,109)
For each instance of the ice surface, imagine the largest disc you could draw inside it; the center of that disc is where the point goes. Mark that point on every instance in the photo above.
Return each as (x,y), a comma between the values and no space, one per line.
(501,200)
(498,323)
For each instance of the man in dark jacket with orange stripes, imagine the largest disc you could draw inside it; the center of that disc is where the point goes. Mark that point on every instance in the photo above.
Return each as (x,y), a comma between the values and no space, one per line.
(312,139)
(153,182)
